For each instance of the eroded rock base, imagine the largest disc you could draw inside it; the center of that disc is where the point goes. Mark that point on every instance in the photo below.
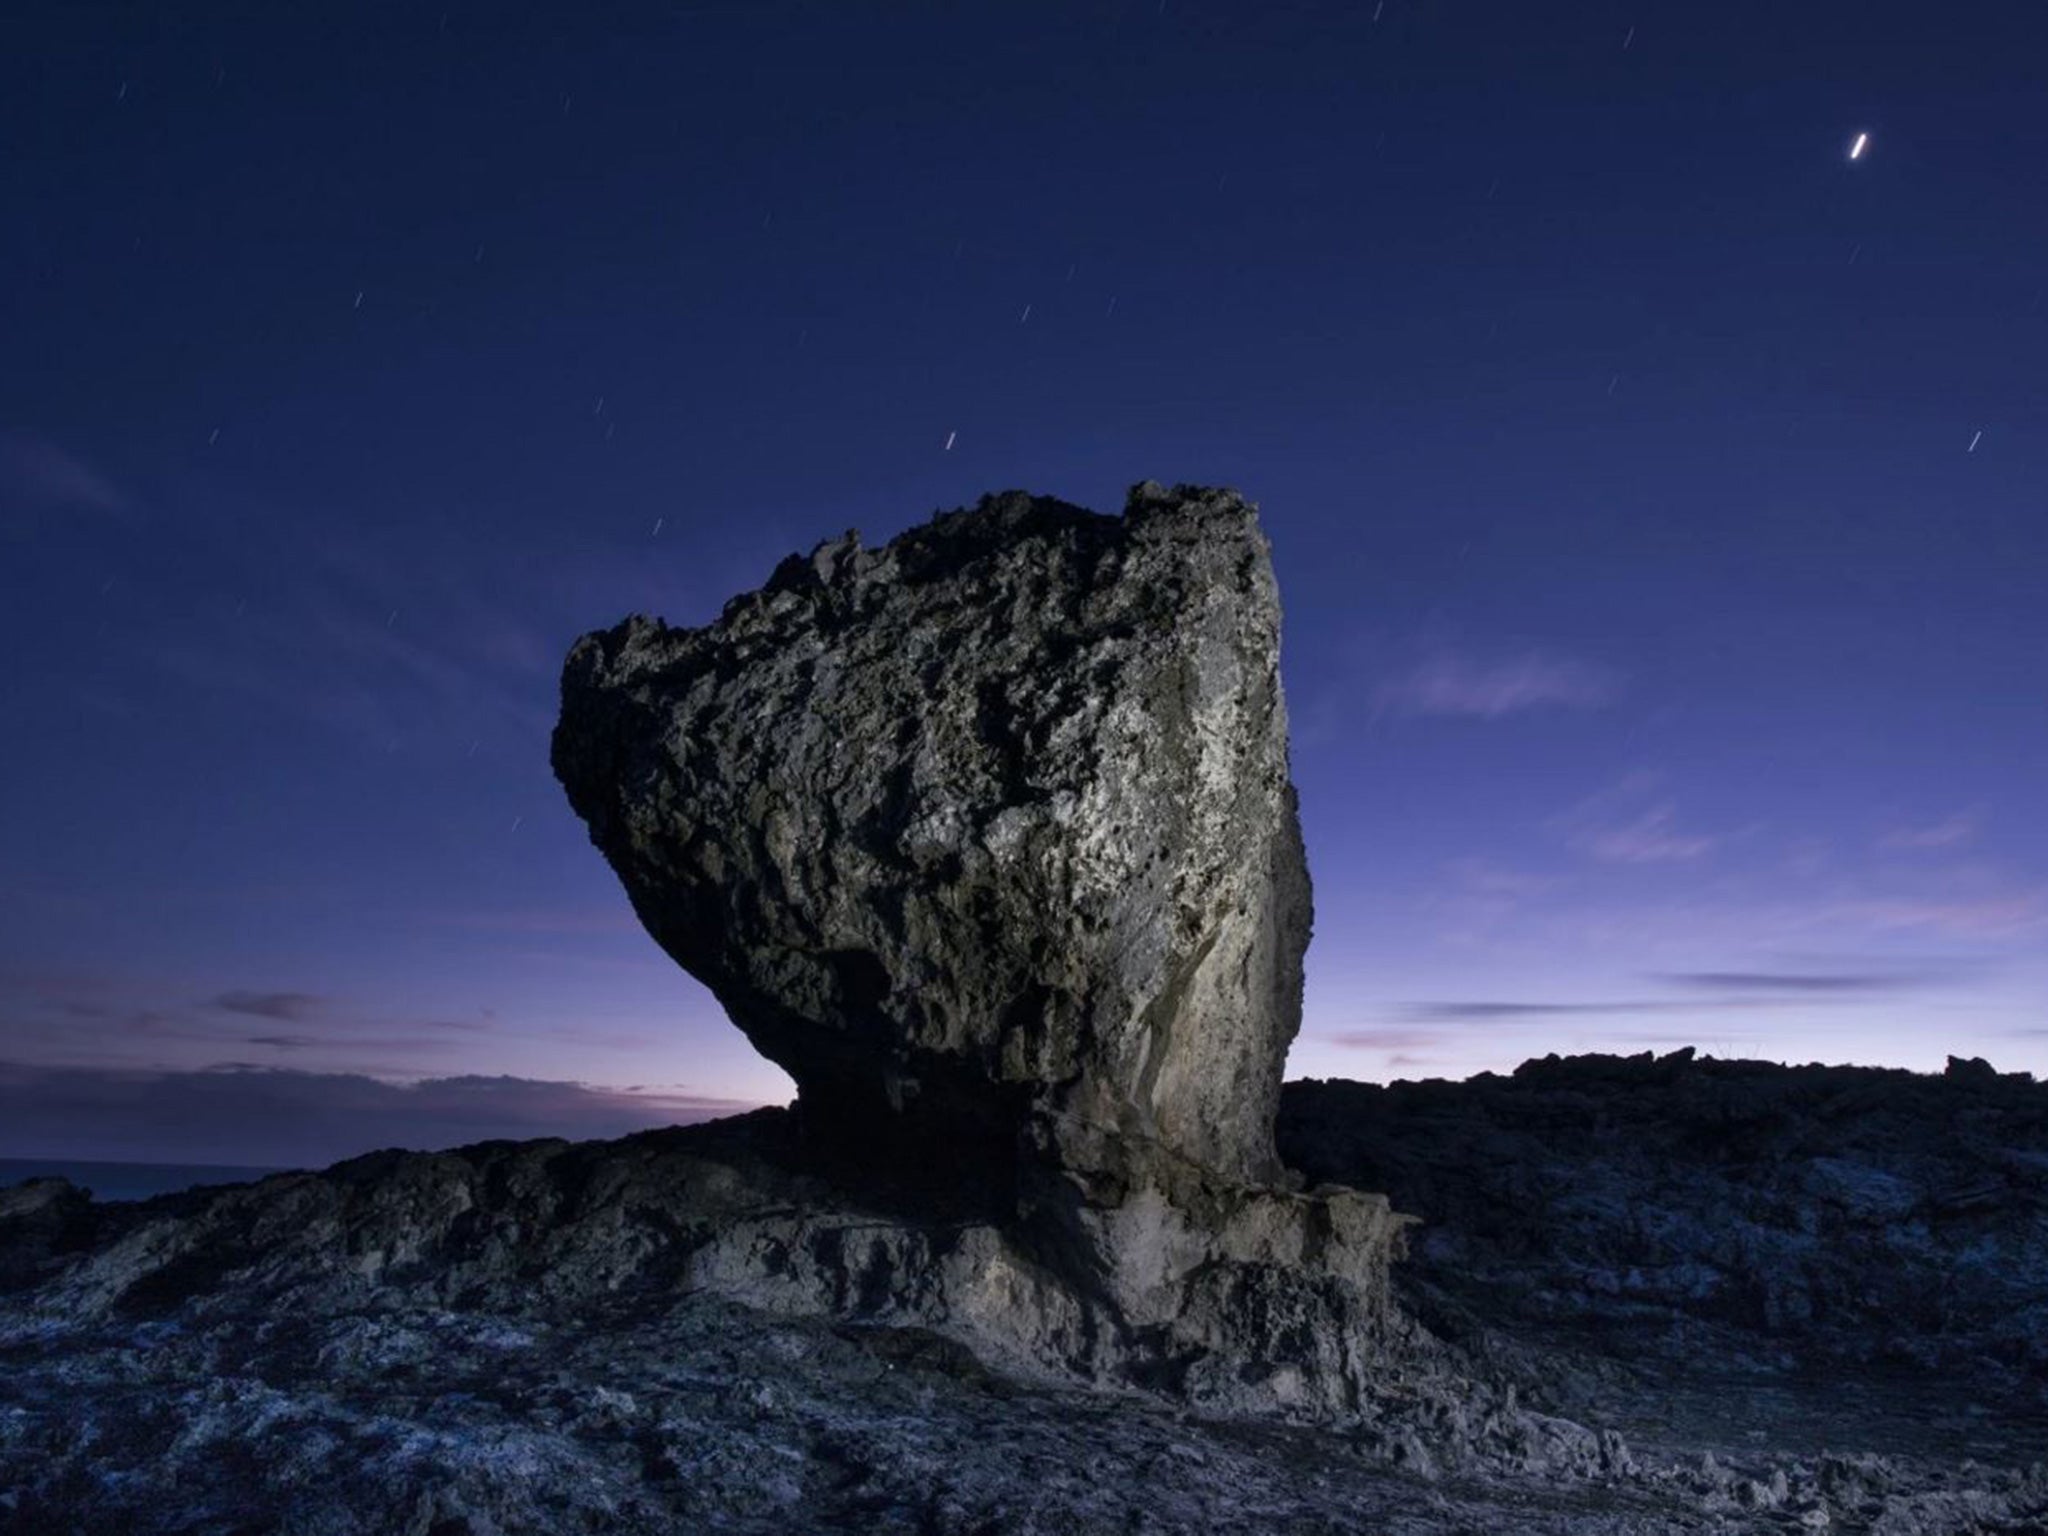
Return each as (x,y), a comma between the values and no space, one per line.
(1232,1299)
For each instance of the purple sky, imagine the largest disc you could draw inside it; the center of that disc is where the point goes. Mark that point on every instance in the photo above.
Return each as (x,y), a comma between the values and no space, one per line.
(1656,495)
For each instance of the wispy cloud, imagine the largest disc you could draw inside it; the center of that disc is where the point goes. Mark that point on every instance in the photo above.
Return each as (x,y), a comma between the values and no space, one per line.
(1791,981)
(1710,992)
(363,637)
(1478,897)
(285,1007)
(1388,1039)
(1951,832)
(347,674)
(1652,838)
(1483,877)
(73,1019)
(618,919)
(1483,1012)
(1458,683)
(1987,917)
(483,1024)
(38,479)
(1628,824)
(239,1114)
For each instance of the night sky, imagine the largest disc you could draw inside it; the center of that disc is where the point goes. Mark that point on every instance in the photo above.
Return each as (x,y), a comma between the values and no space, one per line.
(1656,492)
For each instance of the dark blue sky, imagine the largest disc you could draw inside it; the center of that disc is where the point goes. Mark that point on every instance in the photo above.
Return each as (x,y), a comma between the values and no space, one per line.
(1656,491)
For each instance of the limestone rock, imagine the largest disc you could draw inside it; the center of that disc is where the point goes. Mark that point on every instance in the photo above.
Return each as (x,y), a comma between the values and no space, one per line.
(986,836)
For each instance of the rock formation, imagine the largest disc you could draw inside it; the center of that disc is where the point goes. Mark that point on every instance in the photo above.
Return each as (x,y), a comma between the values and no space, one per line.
(986,836)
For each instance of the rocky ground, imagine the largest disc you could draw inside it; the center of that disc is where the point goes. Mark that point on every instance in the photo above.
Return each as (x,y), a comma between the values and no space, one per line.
(684,1332)
(1775,1221)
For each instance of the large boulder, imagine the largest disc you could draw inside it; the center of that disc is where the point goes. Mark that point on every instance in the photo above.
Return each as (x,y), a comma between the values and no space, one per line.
(985,836)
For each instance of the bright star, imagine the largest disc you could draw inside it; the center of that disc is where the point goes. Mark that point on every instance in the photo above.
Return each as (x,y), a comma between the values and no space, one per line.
(1862,143)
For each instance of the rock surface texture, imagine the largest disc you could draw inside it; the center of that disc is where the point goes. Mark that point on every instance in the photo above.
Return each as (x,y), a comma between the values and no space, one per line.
(692,1330)
(1762,1217)
(984,834)
(987,837)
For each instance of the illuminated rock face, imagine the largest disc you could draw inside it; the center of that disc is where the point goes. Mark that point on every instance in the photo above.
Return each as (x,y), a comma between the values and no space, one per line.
(985,835)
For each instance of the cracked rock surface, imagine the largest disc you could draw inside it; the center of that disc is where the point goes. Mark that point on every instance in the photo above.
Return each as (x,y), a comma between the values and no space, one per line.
(1810,1219)
(987,837)
(687,1330)
(986,833)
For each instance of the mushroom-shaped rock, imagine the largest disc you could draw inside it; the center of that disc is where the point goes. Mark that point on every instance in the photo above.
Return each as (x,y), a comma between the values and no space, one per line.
(984,835)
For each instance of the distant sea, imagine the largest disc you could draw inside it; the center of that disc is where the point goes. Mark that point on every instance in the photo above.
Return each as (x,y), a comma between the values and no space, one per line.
(128,1181)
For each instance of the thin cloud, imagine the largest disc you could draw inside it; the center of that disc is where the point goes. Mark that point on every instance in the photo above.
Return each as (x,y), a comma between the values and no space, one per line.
(1482,877)
(1953,832)
(346,1051)
(597,920)
(72,1019)
(1481,1012)
(1652,838)
(37,479)
(1716,992)
(356,644)
(1640,1037)
(1388,1039)
(1451,683)
(1623,824)
(1487,1011)
(285,1007)
(1790,981)
(1992,917)
(240,1113)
